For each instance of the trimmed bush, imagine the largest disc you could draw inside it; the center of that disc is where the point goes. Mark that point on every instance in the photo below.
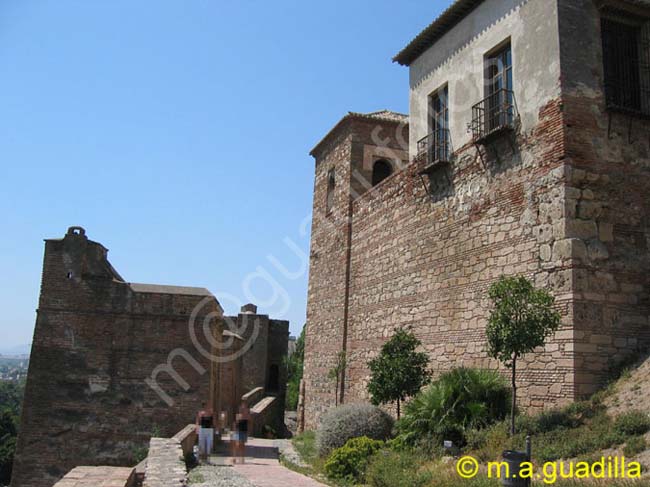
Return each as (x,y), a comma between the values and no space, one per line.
(390,469)
(350,461)
(459,400)
(352,421)
(632,423)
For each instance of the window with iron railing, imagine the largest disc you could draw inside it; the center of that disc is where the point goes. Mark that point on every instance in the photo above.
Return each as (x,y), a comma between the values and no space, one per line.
(626,64)
(435,146)
(493,115)
(498,110)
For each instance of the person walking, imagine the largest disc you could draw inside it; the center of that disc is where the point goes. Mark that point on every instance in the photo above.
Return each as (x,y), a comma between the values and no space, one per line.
(205,429)
(243,426)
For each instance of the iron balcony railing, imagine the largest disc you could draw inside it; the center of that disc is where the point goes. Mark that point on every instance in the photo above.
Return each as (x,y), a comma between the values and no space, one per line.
(493,115)
(434,148)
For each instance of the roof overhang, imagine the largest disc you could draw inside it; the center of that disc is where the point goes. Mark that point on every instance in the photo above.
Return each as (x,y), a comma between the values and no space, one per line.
(456,12)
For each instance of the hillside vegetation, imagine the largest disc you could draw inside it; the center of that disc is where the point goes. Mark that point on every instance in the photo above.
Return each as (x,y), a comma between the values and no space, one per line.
(613,422)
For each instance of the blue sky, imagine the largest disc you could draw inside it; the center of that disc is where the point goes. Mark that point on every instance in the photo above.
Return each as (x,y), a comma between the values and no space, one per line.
(177,133)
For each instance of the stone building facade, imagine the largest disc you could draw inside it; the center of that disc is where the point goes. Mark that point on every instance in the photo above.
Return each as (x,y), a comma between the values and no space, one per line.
(521,155)
(114,363)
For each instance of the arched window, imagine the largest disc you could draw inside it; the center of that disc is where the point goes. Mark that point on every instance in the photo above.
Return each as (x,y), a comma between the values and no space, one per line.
(331,184)
(274,379)
(380,171)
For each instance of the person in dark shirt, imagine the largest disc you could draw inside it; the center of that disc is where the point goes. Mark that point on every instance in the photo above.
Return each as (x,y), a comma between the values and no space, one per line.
(205,430)
(242,427)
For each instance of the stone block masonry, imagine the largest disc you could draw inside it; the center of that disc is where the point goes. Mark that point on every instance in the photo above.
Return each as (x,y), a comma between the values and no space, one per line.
(165,465)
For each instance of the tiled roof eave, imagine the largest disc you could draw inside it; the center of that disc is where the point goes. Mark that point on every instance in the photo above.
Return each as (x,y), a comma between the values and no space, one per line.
(456,12)
(394,118)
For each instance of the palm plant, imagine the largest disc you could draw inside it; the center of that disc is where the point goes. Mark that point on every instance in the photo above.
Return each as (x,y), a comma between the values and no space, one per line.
(461,399)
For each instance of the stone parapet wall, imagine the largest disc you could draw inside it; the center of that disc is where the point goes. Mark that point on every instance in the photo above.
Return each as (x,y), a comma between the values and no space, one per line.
(165,465)
(98,477)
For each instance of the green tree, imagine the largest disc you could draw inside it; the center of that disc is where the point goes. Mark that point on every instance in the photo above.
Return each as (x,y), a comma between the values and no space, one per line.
(336,374)
(294,372)
(11,396)
(521,319)
(399,371)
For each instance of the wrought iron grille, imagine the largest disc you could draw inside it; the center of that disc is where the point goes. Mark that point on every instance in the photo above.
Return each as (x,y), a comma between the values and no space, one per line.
(494,114)
(626,63)
(434,148)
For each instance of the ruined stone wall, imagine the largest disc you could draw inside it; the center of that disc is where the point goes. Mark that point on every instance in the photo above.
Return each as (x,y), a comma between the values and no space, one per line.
(608,206)
(96,340)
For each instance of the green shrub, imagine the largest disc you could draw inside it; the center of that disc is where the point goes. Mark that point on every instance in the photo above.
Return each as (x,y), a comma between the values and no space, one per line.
(634,446)
(352,421)
(391,469)
(632,423)
(459,400)
(350,461)
(556,419)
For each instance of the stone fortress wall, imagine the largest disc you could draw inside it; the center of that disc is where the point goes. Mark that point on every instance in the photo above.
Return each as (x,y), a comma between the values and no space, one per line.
(564,203)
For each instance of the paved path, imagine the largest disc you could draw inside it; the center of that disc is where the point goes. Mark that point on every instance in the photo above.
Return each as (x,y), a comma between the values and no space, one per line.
(262,467)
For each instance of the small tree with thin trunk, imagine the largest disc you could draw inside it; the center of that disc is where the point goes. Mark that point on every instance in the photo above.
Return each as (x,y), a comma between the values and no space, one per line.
(521,319)
(336,374)
(399,371)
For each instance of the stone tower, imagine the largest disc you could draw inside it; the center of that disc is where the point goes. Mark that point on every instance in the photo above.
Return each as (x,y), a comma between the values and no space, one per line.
(97,341)
(360,152)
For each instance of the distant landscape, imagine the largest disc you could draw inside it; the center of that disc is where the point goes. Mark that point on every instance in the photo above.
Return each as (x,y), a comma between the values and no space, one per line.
(13,368)
(19,351)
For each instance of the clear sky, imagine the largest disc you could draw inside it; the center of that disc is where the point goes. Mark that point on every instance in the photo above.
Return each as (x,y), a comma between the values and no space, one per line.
(177,133)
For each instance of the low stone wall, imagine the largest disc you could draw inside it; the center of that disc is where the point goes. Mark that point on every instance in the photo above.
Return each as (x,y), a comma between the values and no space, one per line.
(165,465)
(98,477)
(251,398)
(187,437)
(265,412)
